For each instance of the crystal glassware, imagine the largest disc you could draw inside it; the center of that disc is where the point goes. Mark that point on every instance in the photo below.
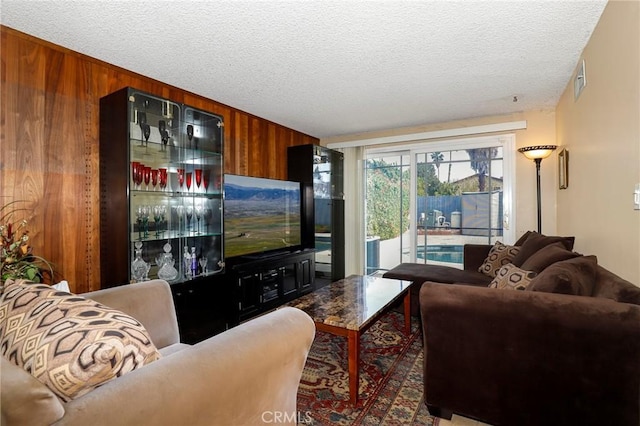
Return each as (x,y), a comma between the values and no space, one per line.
(180,215)
(147,176)
(198,173)
(134,171)
(162,178)
(207,216)
(139,268)
(157,218)
(146,132)
(189,133)
(203,264)
(189,214)
(167,271)
(198,211)
(154,178)
(164,135)
(189,174)
(180,177)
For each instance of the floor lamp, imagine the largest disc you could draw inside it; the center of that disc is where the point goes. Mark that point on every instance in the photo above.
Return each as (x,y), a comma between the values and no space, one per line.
(537,153)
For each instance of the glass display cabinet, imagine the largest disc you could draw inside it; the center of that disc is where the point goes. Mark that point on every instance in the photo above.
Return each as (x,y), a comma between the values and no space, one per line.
(320,170)
(161,184)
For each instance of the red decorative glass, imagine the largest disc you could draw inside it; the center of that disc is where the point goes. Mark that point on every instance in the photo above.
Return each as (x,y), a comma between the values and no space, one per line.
(205,179)
(162,177)
(147,176)
(180,177)
(189,180)
(198,177)
(154,177)
(134,171)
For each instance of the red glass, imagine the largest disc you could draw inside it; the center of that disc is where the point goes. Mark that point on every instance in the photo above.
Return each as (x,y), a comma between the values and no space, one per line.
(189,180)
(154,177)
(134,171)
(147,176)
(205,180)
(162,177)
(198,177)
(180,177)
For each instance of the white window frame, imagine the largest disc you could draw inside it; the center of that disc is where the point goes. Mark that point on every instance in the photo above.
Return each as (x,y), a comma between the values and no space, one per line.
(508,143)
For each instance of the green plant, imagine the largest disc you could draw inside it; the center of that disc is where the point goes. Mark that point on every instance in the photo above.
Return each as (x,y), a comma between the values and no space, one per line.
(16,258)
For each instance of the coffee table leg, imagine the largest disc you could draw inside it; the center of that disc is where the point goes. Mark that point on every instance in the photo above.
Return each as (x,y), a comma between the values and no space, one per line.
(407,312)
(353,338)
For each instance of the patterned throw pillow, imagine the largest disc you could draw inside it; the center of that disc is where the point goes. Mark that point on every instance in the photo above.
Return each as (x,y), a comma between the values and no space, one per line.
(499,255)
(69,343)
(510,277)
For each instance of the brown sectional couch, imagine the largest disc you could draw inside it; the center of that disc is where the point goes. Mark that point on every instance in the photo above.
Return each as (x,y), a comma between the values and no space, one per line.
(530,357)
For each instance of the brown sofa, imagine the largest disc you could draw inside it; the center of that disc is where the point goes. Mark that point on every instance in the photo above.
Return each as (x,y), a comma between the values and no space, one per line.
(509,357)
(247,375)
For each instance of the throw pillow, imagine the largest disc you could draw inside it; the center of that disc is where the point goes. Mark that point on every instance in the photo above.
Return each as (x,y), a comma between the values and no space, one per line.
(535,242)
(510,277)
(523,238)
(547,256)
(499,255)
(574,276)
(69,343)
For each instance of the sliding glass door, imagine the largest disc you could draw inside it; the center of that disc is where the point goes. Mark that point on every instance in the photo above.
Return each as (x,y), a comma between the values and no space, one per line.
(423,204)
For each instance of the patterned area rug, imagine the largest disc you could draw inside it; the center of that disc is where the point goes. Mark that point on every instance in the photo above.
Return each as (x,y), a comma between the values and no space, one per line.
(390,378)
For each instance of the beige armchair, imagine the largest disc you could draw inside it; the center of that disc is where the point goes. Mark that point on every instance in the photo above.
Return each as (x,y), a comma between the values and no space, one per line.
(245,376)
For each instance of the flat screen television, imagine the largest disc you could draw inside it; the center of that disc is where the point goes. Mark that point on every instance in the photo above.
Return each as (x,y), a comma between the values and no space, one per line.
(261,216)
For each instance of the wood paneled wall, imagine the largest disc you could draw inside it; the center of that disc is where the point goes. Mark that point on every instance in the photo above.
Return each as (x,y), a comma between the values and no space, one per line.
(49,115)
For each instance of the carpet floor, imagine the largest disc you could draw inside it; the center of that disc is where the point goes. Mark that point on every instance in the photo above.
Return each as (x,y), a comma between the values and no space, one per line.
(390,378)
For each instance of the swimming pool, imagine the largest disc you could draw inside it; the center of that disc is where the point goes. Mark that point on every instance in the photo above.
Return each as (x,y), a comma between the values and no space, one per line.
(441,253)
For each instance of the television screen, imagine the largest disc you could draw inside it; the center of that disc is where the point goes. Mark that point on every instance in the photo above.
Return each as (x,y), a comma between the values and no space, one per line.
(260,215)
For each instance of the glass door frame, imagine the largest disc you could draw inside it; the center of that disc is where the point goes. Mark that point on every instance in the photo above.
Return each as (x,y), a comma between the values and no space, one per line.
(508,143)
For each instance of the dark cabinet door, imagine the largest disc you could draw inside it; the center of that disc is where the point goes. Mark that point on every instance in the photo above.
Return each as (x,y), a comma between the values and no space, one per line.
(305,275)
(289,279)
(249,292)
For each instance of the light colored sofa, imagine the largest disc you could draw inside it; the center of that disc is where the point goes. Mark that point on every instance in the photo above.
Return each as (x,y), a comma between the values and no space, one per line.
(245,376)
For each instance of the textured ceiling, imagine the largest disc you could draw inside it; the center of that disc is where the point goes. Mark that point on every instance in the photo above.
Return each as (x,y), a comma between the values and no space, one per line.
(331,68)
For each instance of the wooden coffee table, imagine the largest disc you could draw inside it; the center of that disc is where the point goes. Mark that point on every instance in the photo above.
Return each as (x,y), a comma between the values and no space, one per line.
(349,307)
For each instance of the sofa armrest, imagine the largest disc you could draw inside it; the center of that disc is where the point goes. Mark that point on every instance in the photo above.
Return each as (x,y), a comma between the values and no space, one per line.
(246,375)
(474,255)
(150,302)
(518,357)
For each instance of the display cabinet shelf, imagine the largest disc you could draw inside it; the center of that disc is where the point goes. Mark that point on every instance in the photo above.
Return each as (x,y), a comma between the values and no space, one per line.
(161,180)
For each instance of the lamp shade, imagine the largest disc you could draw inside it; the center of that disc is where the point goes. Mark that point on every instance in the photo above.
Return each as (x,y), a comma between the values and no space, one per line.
(537,151)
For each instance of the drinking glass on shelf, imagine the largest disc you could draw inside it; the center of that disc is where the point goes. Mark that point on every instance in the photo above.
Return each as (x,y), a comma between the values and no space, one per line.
(164,135)
(157,218)
(146,210)
(140,175)
(207,216)
(203,264)
(147,176)
(205,179)
(198,210)
(189,133)
(154,178)
(162,176)
(139,221)
(189,215)
(188,181)
(146,132)
(180,214)
(198,177)
(134,171)
(180,177)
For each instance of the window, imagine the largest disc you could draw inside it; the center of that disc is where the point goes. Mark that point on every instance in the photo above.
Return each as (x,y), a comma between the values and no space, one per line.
(424,202)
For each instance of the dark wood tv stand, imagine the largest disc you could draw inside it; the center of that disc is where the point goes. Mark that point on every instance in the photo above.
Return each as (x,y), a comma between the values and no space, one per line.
(263,282)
